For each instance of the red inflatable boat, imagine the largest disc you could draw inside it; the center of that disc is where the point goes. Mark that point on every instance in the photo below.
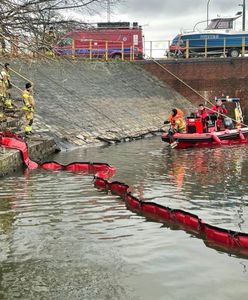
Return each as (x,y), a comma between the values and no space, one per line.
(196,137)
(225,137)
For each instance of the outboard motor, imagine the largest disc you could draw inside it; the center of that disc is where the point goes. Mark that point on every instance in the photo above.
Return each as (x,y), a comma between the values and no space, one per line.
(228,123)
(210,122)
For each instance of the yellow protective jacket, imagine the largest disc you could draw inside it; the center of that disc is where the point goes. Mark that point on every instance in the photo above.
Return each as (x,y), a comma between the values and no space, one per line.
(28,101)
(4,83)
(5,77)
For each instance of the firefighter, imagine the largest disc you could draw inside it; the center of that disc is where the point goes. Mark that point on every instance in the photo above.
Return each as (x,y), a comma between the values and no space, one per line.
(176,121)
(49,40)
(5,72)
(5,85)
(219,109)
(28,107)
(4,81)
(5,75)
(203,113)
(3,89)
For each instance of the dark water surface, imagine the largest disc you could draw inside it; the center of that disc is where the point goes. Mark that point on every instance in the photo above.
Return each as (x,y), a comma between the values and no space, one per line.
(60,238)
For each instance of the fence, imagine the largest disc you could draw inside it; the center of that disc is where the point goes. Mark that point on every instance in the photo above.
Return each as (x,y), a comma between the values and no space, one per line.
(156,49)
(107,50)
(98,49)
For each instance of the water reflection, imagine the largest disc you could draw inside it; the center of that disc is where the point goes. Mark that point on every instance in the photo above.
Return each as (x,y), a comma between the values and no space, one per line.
(218,166)
(62,239)
(214,182)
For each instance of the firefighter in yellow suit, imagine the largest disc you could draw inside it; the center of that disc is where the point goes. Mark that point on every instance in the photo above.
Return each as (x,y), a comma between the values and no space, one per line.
(3,88)
(28,107)
(49,40)
(5,85)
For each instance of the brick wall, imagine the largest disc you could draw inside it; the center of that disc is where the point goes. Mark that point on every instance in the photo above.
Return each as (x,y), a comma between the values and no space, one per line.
(210,77)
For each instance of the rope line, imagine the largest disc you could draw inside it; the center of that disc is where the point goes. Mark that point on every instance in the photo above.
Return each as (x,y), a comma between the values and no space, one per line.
(191,88)
(61,86)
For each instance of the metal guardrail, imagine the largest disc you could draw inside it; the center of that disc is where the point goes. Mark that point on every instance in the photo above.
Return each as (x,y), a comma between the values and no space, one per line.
(156,48)
(92,49)
(14,47)
(106,51)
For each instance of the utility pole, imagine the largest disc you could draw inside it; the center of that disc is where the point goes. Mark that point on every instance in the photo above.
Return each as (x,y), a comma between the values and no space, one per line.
(243,23)
(243,15)
(108,11)
(208,11)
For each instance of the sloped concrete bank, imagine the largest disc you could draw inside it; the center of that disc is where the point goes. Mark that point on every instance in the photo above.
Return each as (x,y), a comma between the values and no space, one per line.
(87,104)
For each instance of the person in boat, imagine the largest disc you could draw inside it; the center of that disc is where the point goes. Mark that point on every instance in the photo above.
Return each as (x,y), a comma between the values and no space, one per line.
(176,121)
(219,109)
(203,113)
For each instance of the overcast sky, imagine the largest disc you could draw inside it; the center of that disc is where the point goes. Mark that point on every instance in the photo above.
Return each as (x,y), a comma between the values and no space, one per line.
(163,19)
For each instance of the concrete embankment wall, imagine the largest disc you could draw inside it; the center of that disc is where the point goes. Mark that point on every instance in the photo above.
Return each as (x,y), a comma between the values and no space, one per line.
(209,76)
(86,102)
(39,149)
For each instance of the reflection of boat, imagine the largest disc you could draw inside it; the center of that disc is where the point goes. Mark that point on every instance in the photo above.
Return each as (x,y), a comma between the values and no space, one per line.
(195,137)
(218,38)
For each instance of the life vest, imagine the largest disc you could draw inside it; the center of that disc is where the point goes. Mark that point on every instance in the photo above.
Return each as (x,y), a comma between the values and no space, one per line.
(219,109)
(202,113)
(8,103)
(177,121)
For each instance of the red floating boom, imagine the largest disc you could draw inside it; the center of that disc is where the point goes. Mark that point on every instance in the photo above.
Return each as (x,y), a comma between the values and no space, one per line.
(215,237)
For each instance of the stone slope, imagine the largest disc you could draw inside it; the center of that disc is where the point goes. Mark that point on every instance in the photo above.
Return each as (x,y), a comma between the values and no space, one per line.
(84,102)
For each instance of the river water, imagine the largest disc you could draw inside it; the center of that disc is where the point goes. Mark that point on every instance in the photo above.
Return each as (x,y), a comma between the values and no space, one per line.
(60,238)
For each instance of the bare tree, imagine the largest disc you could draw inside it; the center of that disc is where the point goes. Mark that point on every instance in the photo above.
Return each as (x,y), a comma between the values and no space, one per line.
(31,19)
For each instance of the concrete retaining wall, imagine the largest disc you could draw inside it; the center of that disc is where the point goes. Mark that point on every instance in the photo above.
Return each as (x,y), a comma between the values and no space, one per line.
(39,149)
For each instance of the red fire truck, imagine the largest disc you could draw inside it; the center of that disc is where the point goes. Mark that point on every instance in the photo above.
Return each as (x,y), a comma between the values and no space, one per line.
(112,39)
